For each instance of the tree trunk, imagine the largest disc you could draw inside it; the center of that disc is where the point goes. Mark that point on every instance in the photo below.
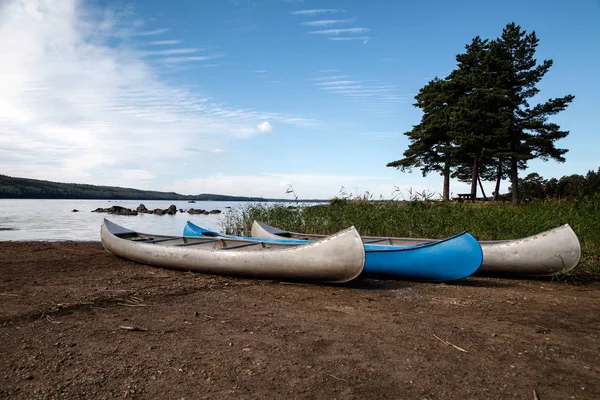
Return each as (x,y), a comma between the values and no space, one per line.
(481,187)
(498,179)
(475,176)
(446,191)
(514,178)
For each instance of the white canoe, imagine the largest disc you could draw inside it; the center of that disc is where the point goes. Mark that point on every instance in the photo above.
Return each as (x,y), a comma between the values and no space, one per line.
(548,253)
(334,259)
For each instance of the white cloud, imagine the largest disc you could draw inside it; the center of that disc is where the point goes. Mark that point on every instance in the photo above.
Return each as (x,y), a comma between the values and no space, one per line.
(327,22)
(381,98)
(164,42)
(137,174)
(264,127)
(152,33)
(347,38)
(199,150)
(339,31)
(169,52)
(314,12)
(191,58)
(75,106)
(329,78)
(336,83)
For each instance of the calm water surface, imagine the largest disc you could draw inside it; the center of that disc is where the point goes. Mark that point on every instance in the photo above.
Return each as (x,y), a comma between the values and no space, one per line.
(54,219)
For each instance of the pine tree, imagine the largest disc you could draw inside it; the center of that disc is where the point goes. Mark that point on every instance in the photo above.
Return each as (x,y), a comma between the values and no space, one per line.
(431,148)
(530,135)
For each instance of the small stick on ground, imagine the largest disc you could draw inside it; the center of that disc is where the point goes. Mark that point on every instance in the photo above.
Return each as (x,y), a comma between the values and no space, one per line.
(133,328)
(51,320)
(133,305)
(535,396)
(205,315)
(339,379)
(450,344)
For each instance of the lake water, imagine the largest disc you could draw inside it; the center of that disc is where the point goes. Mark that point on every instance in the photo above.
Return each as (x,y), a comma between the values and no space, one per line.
(52,220)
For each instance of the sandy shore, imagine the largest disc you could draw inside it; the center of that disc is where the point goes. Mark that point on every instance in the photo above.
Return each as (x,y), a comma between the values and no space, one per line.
(77,322)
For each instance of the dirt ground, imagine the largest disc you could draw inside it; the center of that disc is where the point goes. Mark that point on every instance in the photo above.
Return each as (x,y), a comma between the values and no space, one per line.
(78,322)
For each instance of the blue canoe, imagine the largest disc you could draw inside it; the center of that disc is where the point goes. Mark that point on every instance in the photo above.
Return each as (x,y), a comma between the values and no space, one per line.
(454,258)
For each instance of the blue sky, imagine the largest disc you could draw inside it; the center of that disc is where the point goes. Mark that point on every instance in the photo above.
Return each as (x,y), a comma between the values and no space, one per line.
(246,97)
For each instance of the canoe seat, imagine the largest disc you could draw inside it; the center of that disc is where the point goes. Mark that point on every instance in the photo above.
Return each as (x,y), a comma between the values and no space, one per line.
(198,242)
(150,240)
(237,246)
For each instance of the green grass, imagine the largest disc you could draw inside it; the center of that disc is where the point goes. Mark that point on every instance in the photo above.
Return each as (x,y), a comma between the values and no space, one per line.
(433,219)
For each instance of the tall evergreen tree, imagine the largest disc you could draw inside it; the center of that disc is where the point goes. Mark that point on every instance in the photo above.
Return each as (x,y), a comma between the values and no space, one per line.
(475,108)
(431,148)
(530,134)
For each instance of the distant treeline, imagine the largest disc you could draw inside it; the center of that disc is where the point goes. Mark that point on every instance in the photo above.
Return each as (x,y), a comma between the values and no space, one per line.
(22,188)
(575,186)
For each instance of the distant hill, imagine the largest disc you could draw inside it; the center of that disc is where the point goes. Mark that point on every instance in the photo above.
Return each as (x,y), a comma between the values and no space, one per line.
(22,188)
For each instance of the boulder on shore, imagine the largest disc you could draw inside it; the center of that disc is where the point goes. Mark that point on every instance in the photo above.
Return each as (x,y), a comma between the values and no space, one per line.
(118,210)
(195,211)
(172,210)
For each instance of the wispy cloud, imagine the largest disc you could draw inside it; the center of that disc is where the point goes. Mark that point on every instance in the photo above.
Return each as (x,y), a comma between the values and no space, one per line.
(200,150)
(137,174)
(314,11)
(336,83)
(164,42)
(330,22)
(169,52)
(328,78)
(191,58)
(76,106)
(152,33)
(380,96)
(339,31)
(327,22)
(363,38)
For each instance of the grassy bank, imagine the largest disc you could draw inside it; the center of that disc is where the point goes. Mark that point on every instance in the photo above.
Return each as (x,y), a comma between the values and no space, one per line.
(428,219)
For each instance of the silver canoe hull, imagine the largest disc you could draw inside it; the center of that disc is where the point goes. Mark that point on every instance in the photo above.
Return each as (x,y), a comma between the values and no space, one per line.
(335,259)
(548,253)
